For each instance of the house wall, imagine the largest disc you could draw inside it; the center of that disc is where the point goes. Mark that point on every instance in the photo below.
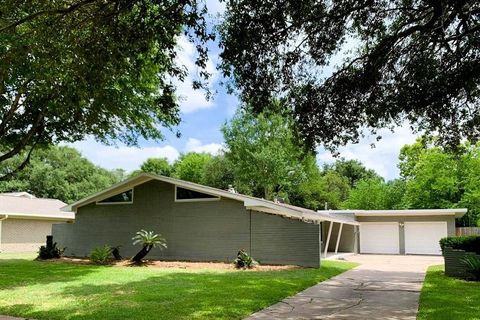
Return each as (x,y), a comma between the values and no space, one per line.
(196,231)
(449,219)
(279,240)
(23,235)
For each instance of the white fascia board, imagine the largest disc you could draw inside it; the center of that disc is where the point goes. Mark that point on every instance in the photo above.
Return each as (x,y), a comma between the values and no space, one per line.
(69,216)
(411,212)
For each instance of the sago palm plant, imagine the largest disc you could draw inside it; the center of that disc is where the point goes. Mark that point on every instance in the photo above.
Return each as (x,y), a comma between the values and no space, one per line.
(148,240)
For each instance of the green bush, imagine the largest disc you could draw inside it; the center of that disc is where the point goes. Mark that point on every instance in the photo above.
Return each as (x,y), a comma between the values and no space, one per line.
(244,260)
(467,243)
(50,252)
(101,255)
(472,263)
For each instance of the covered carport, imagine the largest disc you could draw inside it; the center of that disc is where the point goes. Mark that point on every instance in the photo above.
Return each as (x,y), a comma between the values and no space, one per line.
(339,233)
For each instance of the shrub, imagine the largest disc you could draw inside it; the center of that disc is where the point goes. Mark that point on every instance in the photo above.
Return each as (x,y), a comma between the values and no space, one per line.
(472,264)
(50,252)
(148,240)
(467,243)
(101,255)
(244,260)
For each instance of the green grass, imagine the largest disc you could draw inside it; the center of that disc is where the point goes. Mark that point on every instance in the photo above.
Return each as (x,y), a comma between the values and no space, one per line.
(448,298)
(46,290)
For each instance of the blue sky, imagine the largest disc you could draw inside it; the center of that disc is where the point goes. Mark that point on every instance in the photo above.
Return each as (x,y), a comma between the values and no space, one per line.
(202,120)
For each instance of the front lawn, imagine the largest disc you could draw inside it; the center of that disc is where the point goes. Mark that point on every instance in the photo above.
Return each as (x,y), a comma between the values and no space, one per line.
(448,298)
(46,290)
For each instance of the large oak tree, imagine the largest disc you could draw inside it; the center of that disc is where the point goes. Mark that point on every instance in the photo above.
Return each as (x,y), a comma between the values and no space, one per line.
(105,68)
(413,60)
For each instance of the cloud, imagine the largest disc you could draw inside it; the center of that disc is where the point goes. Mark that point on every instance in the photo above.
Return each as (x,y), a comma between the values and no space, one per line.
(195,145)
(130,158)
(124,157)
(192,100)
(383,158)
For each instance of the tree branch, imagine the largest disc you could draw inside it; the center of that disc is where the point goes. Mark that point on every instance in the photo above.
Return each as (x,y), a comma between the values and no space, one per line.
(20,167)
(30,17)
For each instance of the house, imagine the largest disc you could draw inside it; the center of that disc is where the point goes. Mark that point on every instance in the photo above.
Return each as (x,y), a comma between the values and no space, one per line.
(201,223)
(25,220)
(395,231)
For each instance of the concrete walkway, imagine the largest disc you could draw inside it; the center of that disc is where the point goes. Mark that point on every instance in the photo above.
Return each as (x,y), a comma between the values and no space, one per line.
(382,287)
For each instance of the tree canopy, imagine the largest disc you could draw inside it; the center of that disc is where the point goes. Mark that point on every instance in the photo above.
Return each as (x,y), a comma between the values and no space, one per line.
(396,61)
(266,157)
(59,173)
(107,69)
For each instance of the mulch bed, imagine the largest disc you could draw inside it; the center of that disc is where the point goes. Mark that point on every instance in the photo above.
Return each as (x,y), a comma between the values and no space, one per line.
(178,264)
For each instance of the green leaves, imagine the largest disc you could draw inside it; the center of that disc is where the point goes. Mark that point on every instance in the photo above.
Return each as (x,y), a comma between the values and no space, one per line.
(70,69)
(149,239)
(392,61)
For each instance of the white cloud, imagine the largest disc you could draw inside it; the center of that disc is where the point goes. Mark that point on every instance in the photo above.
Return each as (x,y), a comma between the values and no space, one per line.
(192,100)
(127,158)
(130,158)
(383,158)
(195,145)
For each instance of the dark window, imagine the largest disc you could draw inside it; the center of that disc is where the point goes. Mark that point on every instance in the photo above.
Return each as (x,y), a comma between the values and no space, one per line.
(186,194)
(123,197)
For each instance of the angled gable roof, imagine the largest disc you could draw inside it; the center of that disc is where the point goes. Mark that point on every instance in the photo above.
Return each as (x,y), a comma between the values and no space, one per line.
(249,202)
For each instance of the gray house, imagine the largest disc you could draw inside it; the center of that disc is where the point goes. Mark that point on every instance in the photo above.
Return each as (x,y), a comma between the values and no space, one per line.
(199,223)
(202,223)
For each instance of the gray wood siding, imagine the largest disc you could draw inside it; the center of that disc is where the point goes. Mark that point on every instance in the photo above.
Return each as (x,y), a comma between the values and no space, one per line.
(278,240)
(196,231)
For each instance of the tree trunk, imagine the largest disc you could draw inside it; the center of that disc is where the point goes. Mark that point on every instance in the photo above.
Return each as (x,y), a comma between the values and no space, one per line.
(141,254)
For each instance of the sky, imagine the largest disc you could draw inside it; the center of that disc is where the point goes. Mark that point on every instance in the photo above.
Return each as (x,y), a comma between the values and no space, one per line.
(202,120)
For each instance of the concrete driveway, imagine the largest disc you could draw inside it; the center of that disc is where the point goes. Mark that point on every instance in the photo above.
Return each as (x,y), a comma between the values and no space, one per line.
(382,287)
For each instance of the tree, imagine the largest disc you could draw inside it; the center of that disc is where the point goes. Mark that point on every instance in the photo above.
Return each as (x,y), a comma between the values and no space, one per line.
(190,166)
(438,178)
(148,240)
(266,156)
(372,194)
(414,60)
(353,170)
(218,173)
(60,173)
(336,189)
(157,166)
(77,68)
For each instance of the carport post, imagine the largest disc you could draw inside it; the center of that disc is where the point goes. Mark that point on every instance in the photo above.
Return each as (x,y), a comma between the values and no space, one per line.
(338,237)
(328,239)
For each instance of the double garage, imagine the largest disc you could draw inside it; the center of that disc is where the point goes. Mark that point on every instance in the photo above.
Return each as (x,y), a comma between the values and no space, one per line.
(405,231)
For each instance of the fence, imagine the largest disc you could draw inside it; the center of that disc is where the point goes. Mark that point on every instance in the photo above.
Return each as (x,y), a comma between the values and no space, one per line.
(467,231)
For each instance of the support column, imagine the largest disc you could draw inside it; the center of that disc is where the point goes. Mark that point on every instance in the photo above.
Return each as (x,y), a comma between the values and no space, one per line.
(338,237)
(328,239)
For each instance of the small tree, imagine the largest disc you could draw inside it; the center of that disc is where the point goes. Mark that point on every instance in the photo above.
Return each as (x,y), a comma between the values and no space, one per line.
(149,240)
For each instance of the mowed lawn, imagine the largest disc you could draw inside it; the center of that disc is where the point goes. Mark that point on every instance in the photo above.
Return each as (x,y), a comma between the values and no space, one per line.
(446,298)
(46,290)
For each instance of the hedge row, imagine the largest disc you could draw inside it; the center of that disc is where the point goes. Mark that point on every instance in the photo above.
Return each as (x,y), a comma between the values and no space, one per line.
(467,243)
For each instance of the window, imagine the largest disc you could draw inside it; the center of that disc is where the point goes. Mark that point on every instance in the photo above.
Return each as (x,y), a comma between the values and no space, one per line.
(182,194)
(124,197)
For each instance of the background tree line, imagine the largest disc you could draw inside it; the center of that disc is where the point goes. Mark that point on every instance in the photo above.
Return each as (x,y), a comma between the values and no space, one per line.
(262,157)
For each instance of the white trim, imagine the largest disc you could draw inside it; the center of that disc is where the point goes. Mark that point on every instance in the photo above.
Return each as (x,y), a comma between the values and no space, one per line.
(457,212)
(328,238)
(68,216)
(338,237)
(195,199)
(98,202)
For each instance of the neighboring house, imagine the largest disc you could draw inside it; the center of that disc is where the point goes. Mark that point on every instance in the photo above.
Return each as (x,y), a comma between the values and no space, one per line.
(201,223)
(25,221)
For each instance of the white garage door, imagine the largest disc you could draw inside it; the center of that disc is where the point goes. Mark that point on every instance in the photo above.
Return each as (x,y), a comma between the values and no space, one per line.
(423,237)
(379,237)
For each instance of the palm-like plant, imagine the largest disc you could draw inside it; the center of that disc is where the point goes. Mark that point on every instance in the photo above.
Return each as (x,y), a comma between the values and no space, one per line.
(148,240)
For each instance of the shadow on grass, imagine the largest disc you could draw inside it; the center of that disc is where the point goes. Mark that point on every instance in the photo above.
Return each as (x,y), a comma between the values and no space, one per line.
(172,294)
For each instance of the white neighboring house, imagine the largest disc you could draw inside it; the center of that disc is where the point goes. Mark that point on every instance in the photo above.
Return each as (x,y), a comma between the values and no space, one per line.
(25,220)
